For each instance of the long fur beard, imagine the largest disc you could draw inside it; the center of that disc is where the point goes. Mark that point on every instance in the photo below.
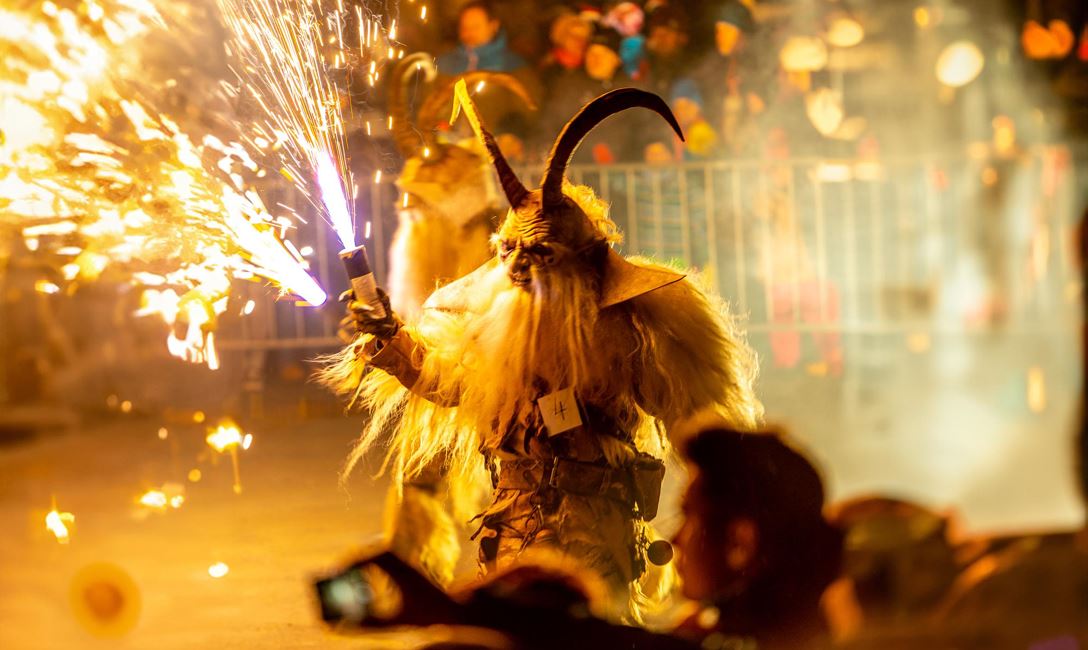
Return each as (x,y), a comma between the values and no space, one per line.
(526,343)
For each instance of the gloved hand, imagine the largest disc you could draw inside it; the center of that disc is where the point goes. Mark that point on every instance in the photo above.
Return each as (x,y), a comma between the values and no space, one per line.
(362,320)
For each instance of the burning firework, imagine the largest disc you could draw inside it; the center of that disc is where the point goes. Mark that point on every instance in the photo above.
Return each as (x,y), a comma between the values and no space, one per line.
(289,48)
(171,495)
(227,437)
(99,177)
(289,51)
(58,522)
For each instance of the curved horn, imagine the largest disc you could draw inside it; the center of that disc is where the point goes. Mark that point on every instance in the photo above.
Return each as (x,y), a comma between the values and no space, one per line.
(585,121)
(512,187)
(431,110)
(404,133)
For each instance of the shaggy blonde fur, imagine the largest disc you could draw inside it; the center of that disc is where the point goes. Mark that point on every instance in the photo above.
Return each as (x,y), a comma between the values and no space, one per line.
(653,361)
(420,530)
(672,353)
(441,236)
(429,250)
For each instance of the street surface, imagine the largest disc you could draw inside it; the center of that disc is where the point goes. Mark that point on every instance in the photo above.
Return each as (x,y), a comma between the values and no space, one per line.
(290,522)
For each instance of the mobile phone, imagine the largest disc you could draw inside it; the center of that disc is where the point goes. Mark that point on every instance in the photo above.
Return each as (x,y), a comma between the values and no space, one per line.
(346,597)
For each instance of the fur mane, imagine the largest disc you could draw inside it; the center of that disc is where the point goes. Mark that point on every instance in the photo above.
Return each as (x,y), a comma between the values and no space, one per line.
(664,357)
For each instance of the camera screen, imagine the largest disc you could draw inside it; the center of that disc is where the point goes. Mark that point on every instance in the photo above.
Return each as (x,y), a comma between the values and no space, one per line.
(345,597)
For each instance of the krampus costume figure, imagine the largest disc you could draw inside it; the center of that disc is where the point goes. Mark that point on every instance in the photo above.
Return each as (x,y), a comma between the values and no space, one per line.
(447,210)
(557,368)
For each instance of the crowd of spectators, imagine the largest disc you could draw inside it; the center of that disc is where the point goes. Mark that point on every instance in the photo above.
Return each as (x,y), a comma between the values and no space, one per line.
(703,58)
(751,79)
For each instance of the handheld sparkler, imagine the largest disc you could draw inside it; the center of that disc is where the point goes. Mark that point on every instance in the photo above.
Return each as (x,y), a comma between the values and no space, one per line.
(353,256)
(357,266)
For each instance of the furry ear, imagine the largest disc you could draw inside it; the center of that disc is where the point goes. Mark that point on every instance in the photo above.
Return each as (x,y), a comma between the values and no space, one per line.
(623,280)
(695,359)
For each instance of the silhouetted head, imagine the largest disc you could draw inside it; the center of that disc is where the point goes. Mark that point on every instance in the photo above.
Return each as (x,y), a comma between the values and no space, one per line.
(477,24)
(753,526)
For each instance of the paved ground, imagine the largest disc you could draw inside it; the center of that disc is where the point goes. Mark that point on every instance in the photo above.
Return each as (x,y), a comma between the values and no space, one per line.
(291,521)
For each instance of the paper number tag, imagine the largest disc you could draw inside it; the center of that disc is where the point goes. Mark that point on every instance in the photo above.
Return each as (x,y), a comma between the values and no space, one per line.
(560,411)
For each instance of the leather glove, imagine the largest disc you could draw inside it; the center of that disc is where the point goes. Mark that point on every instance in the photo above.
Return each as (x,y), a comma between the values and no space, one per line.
(362,320)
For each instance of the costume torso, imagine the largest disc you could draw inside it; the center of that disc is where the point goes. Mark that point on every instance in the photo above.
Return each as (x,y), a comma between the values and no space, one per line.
(562,491)
(585,491)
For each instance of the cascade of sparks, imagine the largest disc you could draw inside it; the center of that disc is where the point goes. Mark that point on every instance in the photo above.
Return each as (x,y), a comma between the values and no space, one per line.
(99,178)
(227,437)
(288,50)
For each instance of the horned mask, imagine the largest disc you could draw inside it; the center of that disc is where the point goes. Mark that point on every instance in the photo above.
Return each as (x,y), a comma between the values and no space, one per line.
(446,177)
(545,227)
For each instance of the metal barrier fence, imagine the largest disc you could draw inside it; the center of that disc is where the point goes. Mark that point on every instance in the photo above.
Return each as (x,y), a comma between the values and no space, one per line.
(913,317)
(895,245)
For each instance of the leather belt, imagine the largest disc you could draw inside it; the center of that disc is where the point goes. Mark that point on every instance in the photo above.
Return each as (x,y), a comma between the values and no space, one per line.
(634,485)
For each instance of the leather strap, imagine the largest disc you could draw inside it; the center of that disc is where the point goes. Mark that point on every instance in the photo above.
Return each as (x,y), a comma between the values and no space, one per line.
(566,475)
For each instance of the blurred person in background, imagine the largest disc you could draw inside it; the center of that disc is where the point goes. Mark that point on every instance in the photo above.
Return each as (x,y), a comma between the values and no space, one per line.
(781,255)
(482,43)
(658,153)
(569,34)
(730,76)
(600,72)
(793,290)
(1030,590)
(603,62)
(627,19)
(667,35)
(483,47)
(612,142)
(898,565)
(700,139)
(754,548)
(447,207)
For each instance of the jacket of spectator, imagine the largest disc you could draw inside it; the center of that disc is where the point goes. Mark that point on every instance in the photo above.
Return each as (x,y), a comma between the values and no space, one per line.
(495,56)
